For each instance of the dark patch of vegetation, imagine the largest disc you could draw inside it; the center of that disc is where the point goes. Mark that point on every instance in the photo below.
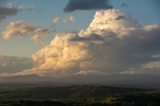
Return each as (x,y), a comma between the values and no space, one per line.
(77,95)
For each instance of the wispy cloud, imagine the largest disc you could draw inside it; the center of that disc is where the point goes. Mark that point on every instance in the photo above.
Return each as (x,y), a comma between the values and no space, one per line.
(69,19)
(56,20)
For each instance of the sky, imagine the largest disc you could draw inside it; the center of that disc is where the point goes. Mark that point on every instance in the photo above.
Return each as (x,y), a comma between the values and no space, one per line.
(44,12)
(87,38)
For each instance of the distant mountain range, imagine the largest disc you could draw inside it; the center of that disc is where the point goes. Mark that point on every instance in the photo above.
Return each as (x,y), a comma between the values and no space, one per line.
(134,81)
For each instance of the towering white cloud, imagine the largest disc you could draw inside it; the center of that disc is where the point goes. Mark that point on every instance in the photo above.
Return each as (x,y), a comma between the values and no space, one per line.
(110,22)
(23,29)
(114,43)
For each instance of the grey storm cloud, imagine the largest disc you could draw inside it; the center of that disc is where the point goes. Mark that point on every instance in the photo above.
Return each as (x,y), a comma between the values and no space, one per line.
(7,10)
(87,5)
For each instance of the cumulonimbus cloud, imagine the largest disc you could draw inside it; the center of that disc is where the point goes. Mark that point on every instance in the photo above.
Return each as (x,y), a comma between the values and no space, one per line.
(113,44)
(23,29)
(87,5)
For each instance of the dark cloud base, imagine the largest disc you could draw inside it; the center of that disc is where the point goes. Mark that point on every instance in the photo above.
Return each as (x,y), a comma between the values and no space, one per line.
(87,5)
